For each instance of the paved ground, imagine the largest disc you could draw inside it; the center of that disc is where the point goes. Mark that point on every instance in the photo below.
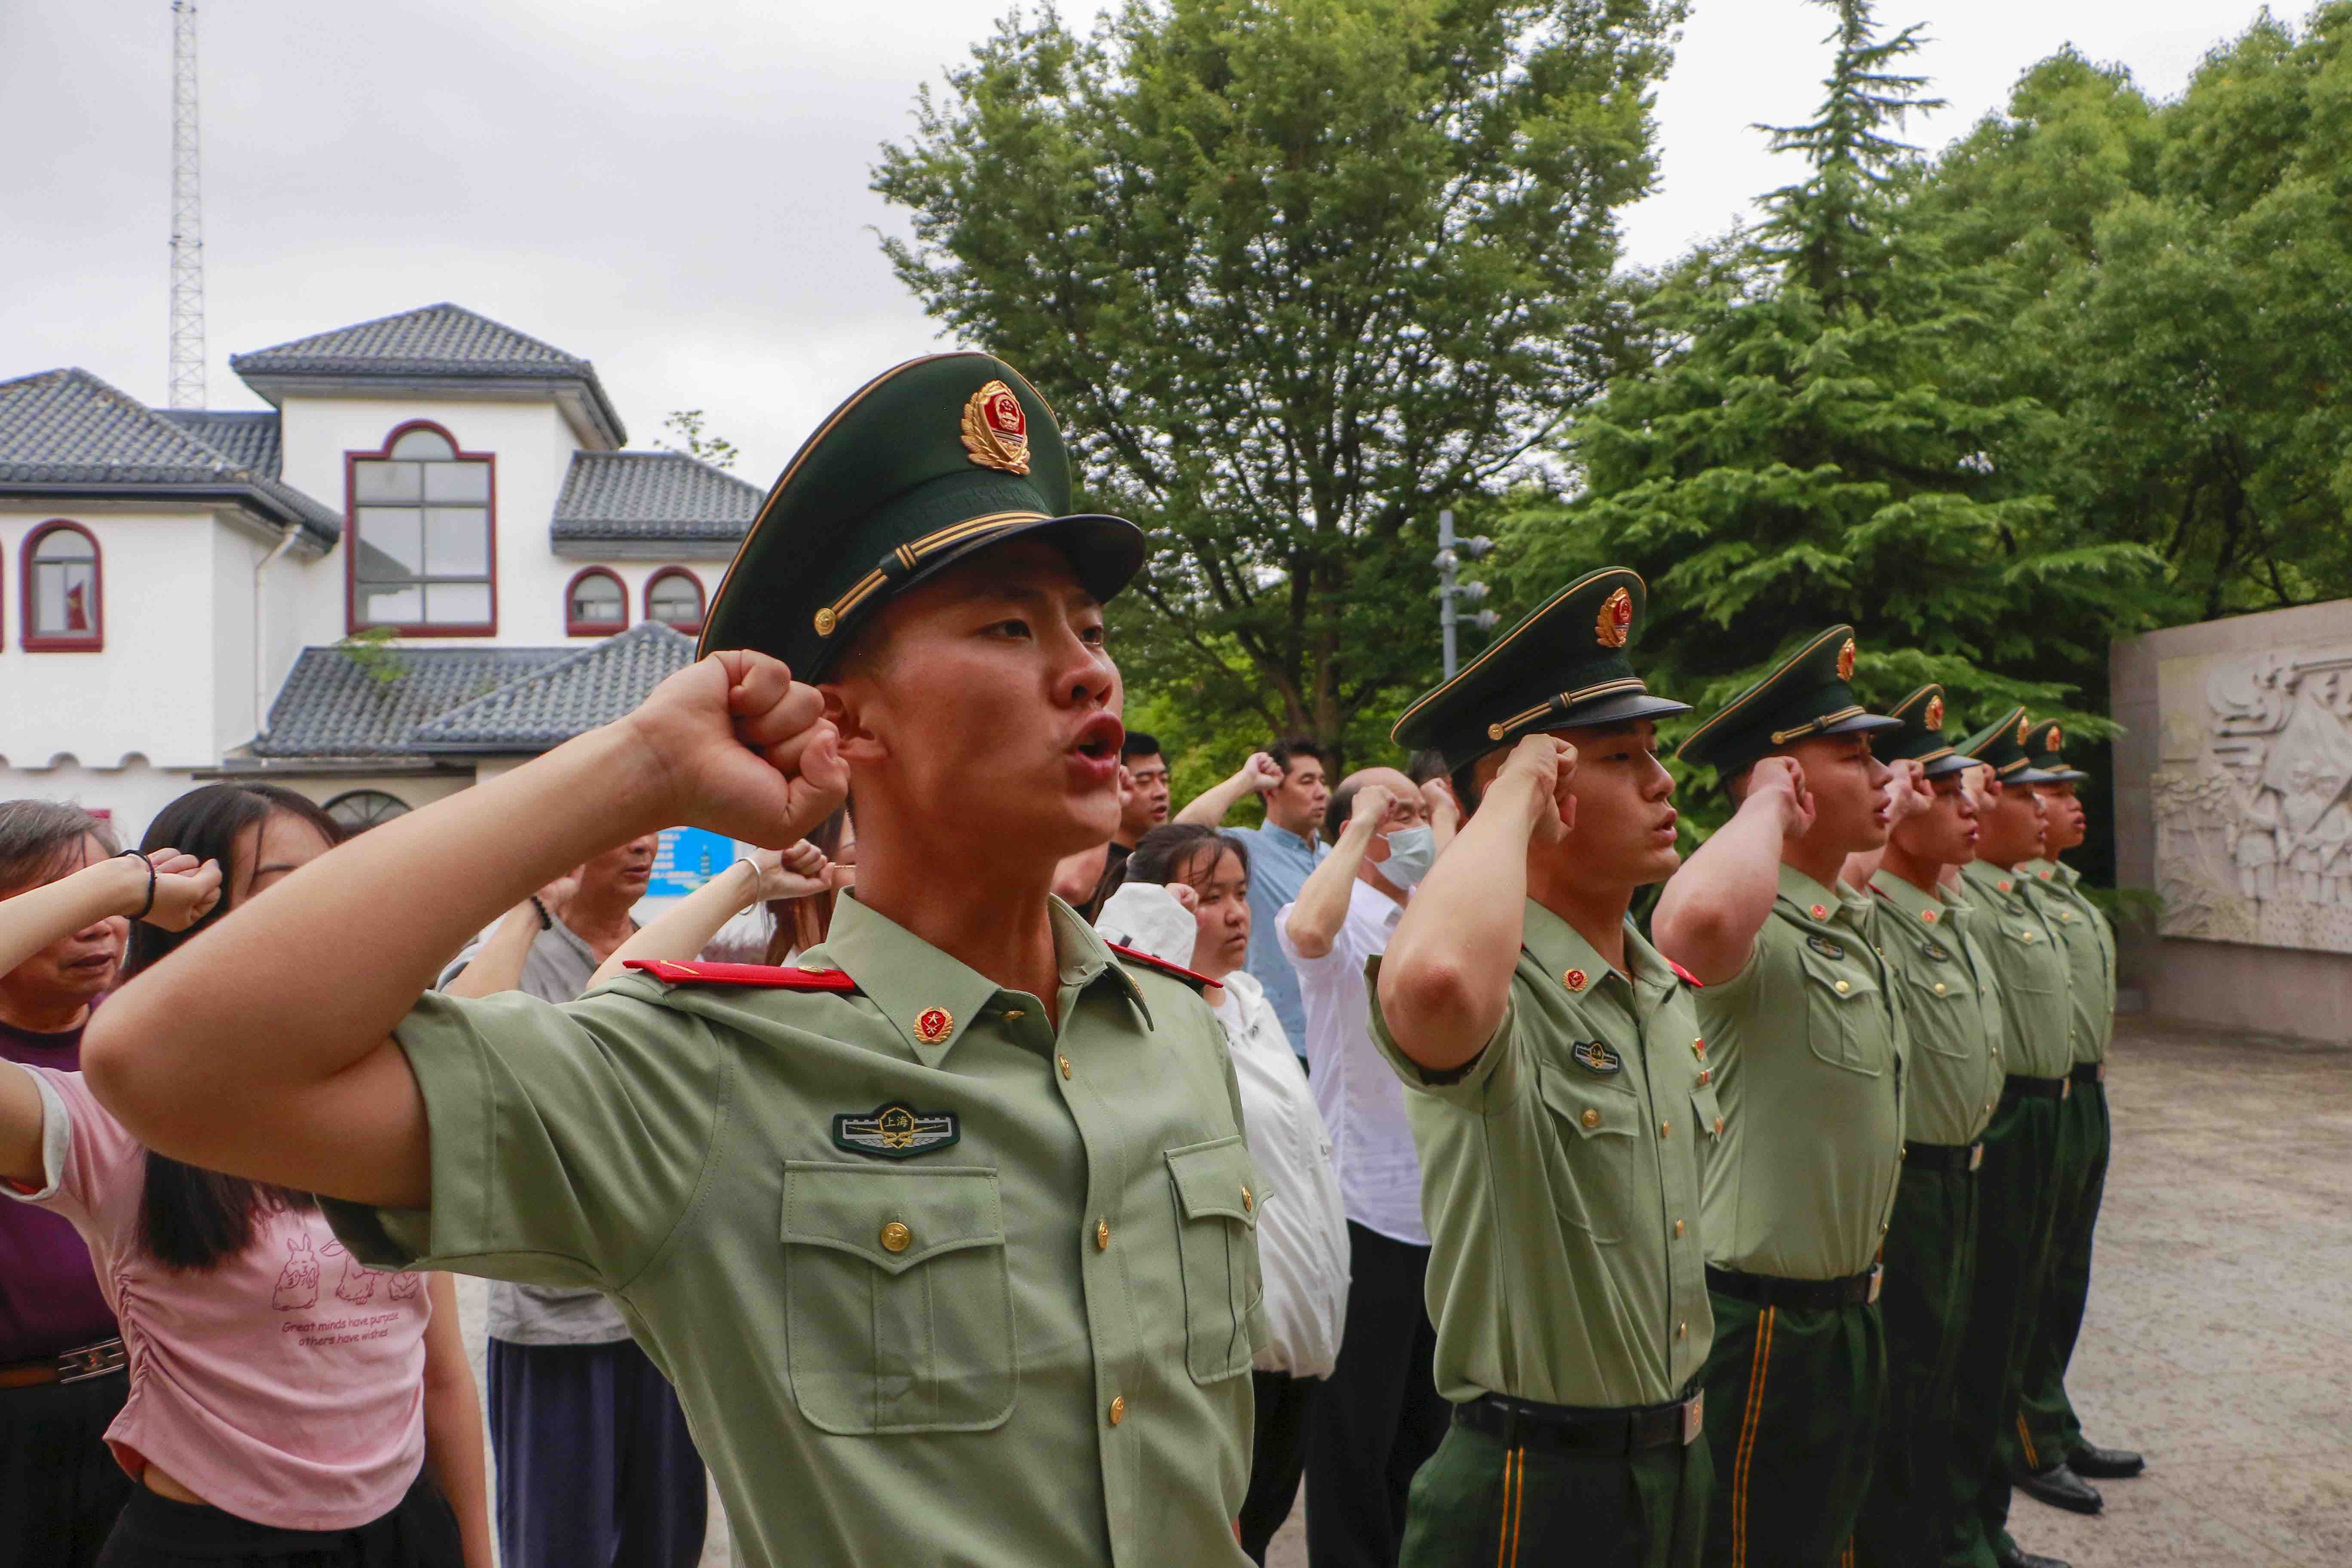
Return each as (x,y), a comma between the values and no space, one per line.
(2219,1335)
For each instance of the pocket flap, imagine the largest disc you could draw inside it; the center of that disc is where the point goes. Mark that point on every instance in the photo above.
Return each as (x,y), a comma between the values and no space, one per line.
(1596,1108)
(1843,983)
(894,1216)
(1216,1179)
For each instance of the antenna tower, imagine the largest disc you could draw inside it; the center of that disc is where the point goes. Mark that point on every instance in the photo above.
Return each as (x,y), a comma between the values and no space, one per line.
(187,217)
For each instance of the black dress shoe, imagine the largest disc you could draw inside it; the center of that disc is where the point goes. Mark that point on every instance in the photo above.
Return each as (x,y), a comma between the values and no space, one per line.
(2009,1554)
(2105,1463)
(2062,1488)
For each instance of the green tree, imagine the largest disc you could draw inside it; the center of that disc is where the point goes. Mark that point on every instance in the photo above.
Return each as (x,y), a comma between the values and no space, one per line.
(1296,273)
(695,441)
(1808,446)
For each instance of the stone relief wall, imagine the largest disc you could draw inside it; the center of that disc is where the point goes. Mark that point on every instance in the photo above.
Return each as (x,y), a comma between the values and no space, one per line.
(2253,823)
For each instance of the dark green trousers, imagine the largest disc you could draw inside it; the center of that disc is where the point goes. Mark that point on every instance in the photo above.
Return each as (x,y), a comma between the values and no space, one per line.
(2013,1260)
(1793,1403)
(2050,1432)
(1476,1503)
(1931,1255)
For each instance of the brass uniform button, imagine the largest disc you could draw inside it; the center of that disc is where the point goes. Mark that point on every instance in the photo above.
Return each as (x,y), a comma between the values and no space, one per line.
(1249,1203)
(1705,1077)
(1678,1230)
(1719,1127)
(825,621)
(1681,1330)
(1941,988)
(1118,1408)
(1664,1128)
(1842,987)
(1012,1013)
(1066,1065)
(895,1237)
(1592,1119)
(1102,1235)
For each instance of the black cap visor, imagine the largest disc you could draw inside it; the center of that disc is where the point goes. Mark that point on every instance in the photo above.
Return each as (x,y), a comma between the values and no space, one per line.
(1950,763)
(1856,724)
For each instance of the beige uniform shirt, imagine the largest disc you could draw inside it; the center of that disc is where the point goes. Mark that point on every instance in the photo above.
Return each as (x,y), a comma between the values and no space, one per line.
(2090,944)
(936,1280)
(1806,1045)
(1951,1010)
(1560,1181)
(2029,966)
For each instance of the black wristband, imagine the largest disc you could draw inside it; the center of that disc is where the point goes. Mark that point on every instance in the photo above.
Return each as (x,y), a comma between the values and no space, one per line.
(148,907)
(546,921)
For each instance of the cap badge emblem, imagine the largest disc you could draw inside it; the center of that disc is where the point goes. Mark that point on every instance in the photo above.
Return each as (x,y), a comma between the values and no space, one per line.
(1573,979)
(2024,728)
(1616,622)
(1845,660)
(2051,742)
(996,430)
(1598,1058)
(1934,717)
(895,1132)
(934,1026)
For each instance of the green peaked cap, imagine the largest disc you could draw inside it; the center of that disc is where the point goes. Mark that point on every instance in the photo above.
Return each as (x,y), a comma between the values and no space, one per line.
(924,465)
(1807,696)
(1921,739)
(1561,666)
(2044,739)
(2001,744)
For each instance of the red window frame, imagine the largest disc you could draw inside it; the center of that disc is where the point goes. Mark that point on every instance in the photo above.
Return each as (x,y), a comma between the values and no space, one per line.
(573,628)
(351,626)
(34,641)
(702,597)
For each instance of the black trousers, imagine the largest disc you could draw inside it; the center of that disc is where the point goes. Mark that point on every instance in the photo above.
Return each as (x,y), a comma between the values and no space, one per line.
(1277,1457)
(2050,1430)
(1931,1258)
(1479,1502)
(59,1486)
(1378,1417)
(157,1532)
(596,1468)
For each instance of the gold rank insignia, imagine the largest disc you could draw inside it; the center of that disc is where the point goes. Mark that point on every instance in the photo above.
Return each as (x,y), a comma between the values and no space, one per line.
(996,431)
(1934,717)
(1845,660)
(1616,620)
(934,1026)
(1597,1056)
(895,1132)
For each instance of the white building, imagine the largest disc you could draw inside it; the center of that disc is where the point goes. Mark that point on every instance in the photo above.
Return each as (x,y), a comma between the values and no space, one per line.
(413,570)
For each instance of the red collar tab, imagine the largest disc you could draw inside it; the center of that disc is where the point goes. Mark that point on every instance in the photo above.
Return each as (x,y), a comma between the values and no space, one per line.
(1688,978)
(765,975)
(1188,976)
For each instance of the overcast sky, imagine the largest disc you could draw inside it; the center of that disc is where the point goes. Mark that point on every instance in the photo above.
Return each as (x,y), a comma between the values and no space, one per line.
(677,191)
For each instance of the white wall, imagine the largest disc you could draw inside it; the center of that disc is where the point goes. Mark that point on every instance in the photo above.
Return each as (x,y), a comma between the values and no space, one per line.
(131,795)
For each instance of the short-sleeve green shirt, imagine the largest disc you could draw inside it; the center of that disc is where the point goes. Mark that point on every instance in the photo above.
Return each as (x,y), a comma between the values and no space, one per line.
(1559,1176)
(1951,1010)
(2090,944)
(1806,1044)
(2030,965)
(1010,1326)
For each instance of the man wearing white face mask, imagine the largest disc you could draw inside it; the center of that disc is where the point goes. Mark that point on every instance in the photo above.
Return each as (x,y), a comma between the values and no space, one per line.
(1379,1414)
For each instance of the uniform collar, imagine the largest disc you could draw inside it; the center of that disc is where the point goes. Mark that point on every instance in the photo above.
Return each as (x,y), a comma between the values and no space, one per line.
(931,998)
(1992,877)
(1815,902)
(1937,909)
(2052,873)
(1562,951)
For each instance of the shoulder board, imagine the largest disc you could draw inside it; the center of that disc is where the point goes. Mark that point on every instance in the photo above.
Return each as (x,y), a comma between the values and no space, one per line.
(1198,982)
(768,976)
(1689,979)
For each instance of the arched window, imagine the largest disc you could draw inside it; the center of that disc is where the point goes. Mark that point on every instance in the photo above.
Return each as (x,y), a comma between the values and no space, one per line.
(674,597)
(422,555)
(362,809)
(64,592)
(595,604)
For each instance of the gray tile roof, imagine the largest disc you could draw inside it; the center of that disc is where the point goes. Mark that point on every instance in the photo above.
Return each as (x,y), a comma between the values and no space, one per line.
(66,432)
(566,698)
(366,704)
(434,342)
(609,496)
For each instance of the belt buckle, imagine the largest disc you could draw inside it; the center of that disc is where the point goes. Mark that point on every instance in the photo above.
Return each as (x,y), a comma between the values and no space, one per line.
(1976,1155)
(1877,1273)
(1694,1417)
(90,1361)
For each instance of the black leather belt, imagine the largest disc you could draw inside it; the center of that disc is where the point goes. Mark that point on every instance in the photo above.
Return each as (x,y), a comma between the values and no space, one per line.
(2036,1088)
(1579,1429)
(72,1366)
(1944,1156)
(2089,1072)
(1765,1290)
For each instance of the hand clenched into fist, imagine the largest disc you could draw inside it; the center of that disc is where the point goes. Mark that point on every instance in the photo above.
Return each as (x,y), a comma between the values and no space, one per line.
(740,747)
(1778,784)
(1545,765)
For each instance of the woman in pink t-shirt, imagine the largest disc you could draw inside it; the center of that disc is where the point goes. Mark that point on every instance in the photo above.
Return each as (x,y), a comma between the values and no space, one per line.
(288,1404)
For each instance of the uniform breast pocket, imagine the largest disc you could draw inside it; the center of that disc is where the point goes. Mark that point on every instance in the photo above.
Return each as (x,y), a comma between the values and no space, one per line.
(2042,971)
(1217,1197)
(1932,995)
(1845,1012)
(898,1306)
(1598,1129)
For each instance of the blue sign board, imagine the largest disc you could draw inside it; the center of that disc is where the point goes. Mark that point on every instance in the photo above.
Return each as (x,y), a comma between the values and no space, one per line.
(687,858)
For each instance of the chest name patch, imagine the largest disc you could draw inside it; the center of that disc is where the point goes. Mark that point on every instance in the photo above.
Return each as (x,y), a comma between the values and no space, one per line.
(895,1132)
(1825,947)
(1595,1057)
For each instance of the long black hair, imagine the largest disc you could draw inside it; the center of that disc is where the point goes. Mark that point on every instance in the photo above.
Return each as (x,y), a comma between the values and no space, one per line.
(189,1217)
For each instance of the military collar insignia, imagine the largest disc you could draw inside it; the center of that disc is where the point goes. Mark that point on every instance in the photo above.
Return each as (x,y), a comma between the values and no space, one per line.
(2044,875)
(1929,915)
(1596,1057)
(2005,885)
(935,1024)
(1821,911)
(1825,947)
(896,1130)
(1615,624)
(1574,980)
(1845,660)
(996,431)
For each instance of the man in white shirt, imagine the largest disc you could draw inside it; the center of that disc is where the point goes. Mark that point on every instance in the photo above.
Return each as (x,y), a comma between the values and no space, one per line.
(1378,1416)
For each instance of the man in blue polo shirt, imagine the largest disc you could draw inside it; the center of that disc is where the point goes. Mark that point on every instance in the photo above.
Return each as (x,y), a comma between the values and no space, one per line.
(1288,777)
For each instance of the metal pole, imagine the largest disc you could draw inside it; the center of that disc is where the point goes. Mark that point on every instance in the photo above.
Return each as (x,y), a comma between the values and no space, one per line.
(187,338)
(1445,584)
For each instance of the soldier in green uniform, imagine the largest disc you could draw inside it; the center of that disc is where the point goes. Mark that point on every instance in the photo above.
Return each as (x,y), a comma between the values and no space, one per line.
(1952,1081)
(2050,1426)
(946,1238)
(1561,1109)
(2013,1191)
(1804,1036)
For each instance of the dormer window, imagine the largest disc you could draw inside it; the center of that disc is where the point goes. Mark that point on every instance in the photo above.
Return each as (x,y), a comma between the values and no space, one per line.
(595,605)
(421,549)
(63,611)
(674,597)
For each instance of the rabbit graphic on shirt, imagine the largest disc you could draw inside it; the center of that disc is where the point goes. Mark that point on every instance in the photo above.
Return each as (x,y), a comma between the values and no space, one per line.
(298,1282)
